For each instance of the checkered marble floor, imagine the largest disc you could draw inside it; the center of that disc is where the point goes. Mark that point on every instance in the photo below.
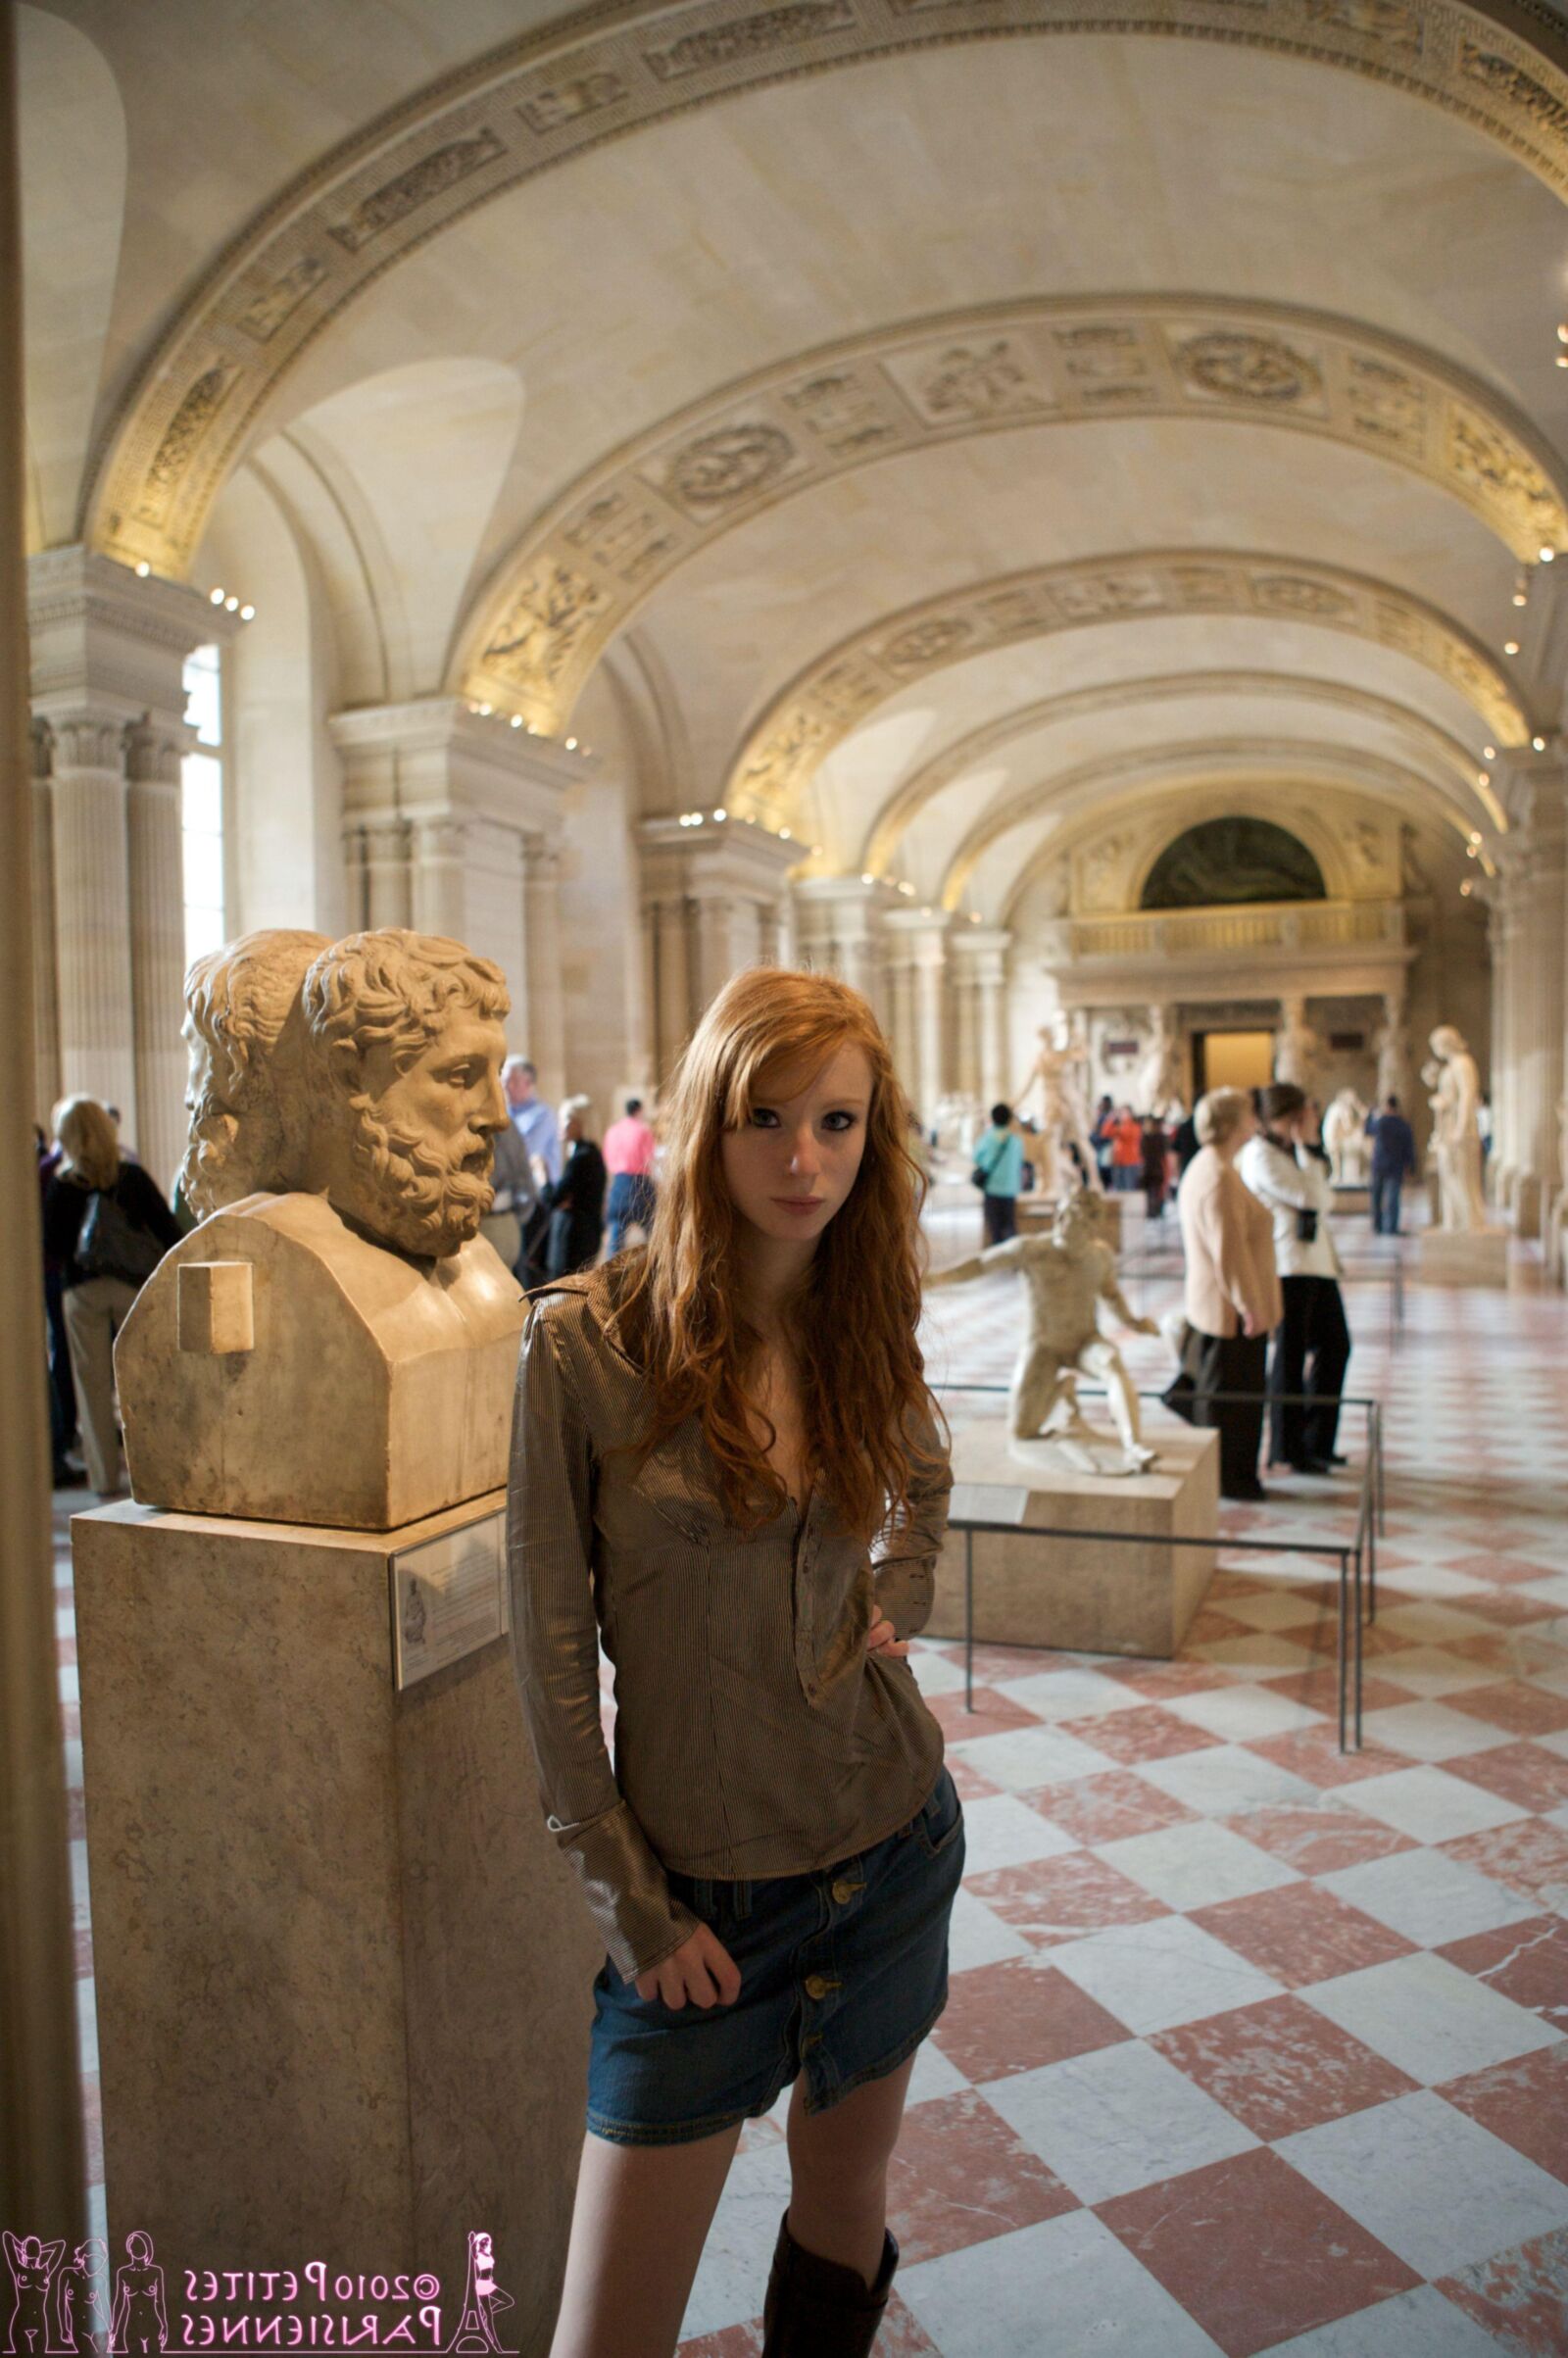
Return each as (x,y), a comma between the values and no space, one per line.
(1252,2045)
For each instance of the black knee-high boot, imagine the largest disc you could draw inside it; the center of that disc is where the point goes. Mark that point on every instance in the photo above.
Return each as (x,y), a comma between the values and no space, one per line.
(819,2308)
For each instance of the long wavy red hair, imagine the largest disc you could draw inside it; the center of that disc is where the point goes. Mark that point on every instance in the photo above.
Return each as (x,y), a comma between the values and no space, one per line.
(870,1419)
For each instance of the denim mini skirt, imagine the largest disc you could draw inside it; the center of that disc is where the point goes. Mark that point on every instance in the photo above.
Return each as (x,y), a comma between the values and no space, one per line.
(843,1973)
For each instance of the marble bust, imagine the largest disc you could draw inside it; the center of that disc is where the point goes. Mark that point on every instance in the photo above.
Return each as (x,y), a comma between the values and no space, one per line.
(338,1344)
(1069,1274)
(1455,1103)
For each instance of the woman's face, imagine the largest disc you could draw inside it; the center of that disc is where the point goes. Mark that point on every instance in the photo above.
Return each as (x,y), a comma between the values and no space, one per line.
(570,1128)
(791,1166)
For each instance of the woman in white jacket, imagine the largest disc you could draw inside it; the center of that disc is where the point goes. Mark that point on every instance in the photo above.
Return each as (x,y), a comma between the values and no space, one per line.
(1312,1343)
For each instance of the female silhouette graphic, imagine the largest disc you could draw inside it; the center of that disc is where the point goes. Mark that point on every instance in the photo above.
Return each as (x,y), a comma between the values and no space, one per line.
(33,2264)
(79,2302)
(476,2329)
(139,2325)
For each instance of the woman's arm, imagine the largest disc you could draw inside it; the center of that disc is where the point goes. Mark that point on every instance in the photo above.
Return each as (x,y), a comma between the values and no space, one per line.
(554,1640)
(905,1563)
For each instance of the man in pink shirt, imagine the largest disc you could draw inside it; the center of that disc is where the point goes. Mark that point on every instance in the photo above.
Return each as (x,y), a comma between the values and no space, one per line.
(629,1161)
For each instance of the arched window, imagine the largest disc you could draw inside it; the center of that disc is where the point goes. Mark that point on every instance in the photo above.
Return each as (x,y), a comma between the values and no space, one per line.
(202,804)
(1232,860)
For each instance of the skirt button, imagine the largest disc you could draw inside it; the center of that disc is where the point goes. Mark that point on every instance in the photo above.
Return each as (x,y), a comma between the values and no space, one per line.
(843,1893)
(815,1986)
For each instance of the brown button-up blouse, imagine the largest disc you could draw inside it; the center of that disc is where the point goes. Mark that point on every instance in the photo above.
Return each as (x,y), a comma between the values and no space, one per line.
(754,1735)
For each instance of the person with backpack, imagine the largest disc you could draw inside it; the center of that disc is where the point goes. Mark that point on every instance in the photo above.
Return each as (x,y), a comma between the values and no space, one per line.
(106,1227)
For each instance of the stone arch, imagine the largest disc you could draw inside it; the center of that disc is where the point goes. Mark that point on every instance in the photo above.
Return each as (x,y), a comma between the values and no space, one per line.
(835,694)
(1448,754)
(562,89)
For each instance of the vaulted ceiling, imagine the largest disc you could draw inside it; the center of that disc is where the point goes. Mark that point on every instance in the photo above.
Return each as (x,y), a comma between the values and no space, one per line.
(963,431)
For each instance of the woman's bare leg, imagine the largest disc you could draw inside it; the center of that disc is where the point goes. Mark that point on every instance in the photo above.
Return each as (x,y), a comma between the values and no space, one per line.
(638,2225)
(838,2171)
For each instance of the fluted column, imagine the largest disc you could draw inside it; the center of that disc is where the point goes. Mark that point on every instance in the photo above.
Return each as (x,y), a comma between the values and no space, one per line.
(713,896)
(45,994)
(436,877)
(983,952)
(547,1009)
(1533,982)
(92,911)
(155,862)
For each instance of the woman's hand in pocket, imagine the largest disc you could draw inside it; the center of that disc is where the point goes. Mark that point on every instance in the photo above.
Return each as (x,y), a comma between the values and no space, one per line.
(700,1973)
(881,1638)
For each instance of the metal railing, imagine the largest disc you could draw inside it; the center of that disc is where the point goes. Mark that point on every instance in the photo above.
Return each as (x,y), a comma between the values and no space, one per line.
(1358,1558)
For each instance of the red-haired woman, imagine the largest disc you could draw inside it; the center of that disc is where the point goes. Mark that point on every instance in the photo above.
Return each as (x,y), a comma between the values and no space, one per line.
(726,1463)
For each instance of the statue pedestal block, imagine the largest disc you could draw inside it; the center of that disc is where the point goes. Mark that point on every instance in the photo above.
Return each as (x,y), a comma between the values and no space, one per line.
(1350,1196)
(1463,1257)
(343,1972)
(1093,1597)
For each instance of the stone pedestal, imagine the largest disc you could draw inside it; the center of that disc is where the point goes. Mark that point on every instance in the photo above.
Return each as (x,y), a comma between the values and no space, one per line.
(1353,1198)
(1094,1598)
(1463,1257)
(343,1972)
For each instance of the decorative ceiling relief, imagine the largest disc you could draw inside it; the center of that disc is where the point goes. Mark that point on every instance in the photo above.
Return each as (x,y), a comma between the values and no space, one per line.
(560,89)
(996,371)
(792,737)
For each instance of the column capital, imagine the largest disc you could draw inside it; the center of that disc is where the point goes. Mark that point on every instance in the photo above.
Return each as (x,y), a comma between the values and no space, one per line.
(440,754)
(100,632)
(709,858)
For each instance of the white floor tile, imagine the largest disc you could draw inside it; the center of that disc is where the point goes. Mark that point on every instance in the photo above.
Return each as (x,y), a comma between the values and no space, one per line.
(1427,1803)
(1265,1653)
(977,1935)
(1000,1831)
(937,1674)
(1414,2325)
(733,2275)
(1432,1623)
(1435,2186)
(1060,2289)
(1429,1730)
(1153,1976)
(933,2075)
(1429,2018)
(1022,1759)
(1067,1694)
(1428,1896)
(1269,1609)
(1197,1865)
(1242,1714)
(1227,1779)
(1120,2119)
(1432,1670)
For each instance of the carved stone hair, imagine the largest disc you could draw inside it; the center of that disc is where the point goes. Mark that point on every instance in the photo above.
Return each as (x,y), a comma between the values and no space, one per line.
(392,990)
(239,1003)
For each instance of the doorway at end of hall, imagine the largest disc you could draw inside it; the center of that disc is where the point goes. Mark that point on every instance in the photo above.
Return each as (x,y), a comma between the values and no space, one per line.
(1231,1061)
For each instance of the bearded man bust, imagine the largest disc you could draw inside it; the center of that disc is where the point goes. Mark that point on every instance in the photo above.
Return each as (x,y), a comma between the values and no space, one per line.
(339,1347)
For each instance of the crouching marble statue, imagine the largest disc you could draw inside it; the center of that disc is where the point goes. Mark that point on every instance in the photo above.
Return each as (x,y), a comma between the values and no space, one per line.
(1070,1273)
(334,1344)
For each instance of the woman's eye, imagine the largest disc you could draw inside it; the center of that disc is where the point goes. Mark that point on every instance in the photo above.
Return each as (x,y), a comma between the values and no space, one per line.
(764,1119)
(839,1121)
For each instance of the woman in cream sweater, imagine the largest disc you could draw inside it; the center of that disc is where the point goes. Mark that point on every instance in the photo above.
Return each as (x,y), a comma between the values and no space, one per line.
(1233,1299)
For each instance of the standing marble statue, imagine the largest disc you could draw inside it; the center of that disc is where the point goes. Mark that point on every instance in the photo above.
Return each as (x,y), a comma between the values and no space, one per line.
(1297,1047)
(1063,1116)
(1455,1103)
(1069,1274)
(1157,1084)
(1345,1139)
(335,1344)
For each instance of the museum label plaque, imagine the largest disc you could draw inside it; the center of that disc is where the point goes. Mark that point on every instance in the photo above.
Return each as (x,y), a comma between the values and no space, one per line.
(448,1598)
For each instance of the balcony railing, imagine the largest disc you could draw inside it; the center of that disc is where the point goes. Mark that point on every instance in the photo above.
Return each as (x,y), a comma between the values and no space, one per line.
(1209,932)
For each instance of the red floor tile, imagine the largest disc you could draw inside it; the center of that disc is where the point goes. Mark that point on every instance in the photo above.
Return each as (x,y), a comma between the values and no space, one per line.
(995,1663)
(1298,1934)
(1055,1900)
(1518,2296)
(1210,1626)
(1508,1570)
(1158,1681)
(1529,1856)
(1376,1639)
(1015,2016)
(992,1715)
(959,2176)
(1526,1773)
(1108,1808)
(1143,1733)
(1512,1703)
(901,2335)
(1314,1753)
(1511,1608)
(1526,1962)
(1319,1842)
(1525,2102)
(1281,2067)
(1254,2252)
